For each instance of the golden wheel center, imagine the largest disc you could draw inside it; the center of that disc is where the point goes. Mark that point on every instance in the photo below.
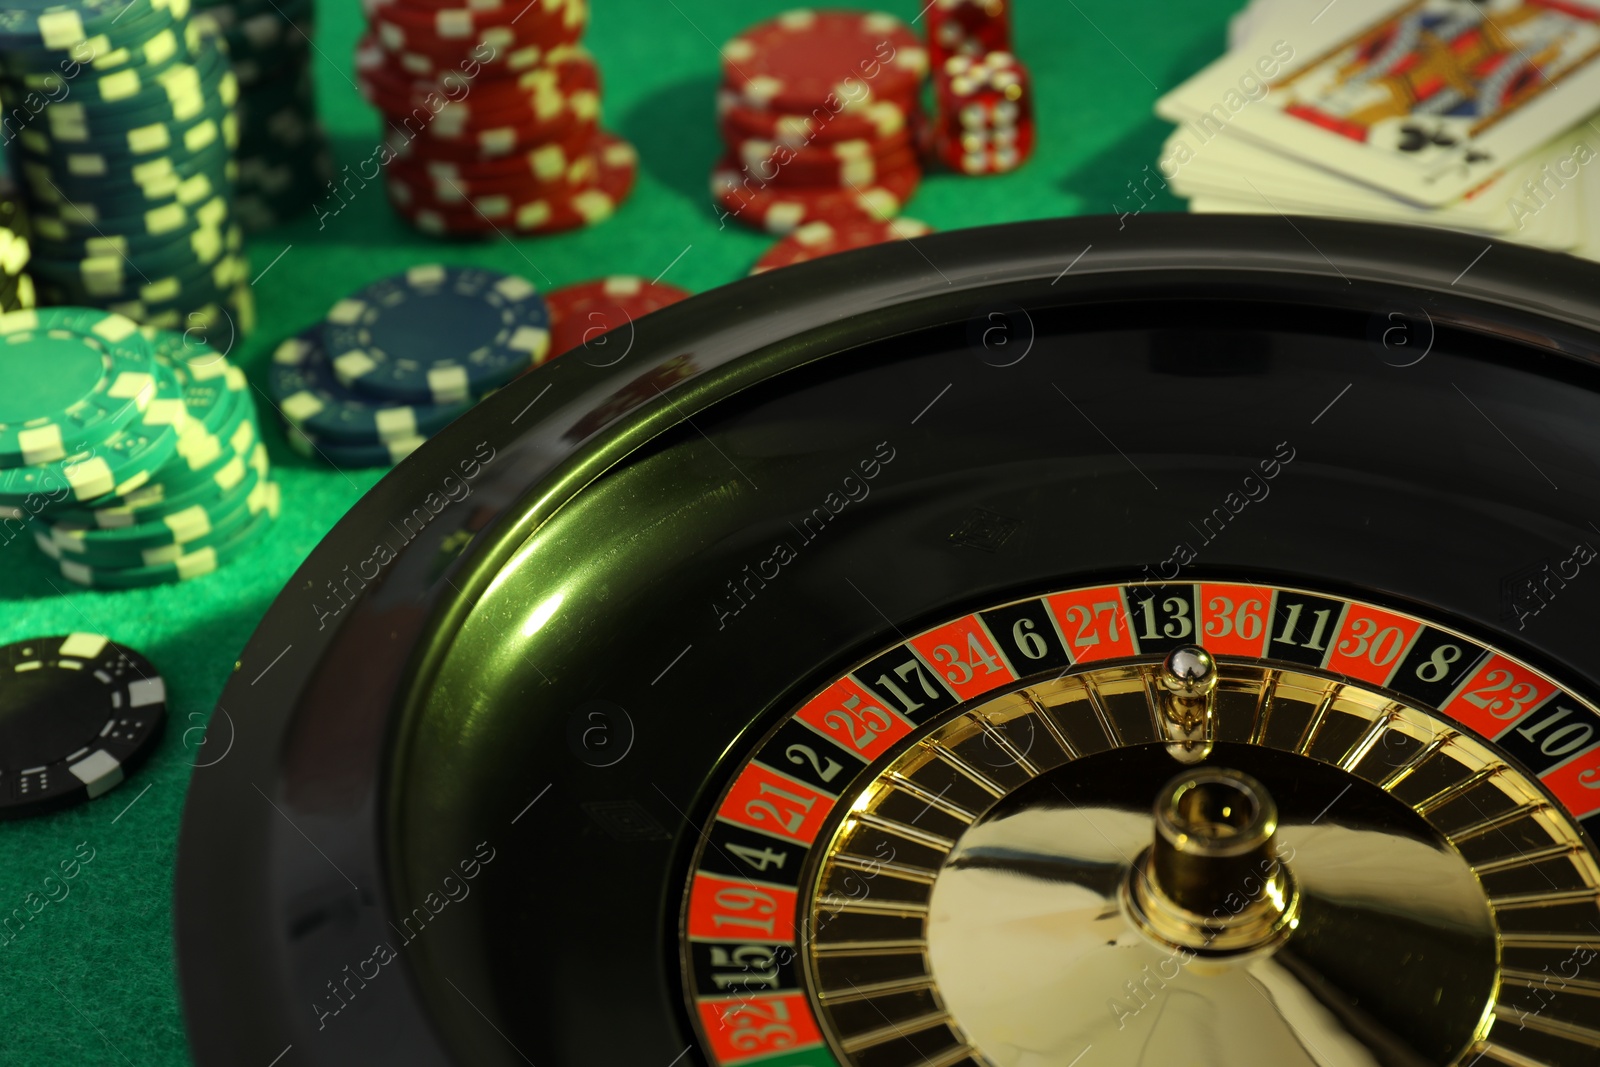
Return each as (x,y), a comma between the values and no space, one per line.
(1006,877)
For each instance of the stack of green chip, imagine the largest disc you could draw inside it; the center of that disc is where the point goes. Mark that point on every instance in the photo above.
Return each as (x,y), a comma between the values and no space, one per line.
(284,162)
(16,288)
(86,412)
(134,452)
(122,115)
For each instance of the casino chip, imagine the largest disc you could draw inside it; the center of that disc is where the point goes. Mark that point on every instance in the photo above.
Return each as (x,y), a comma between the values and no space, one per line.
(153,433)
(839,163)
(514,146)
(69,379)
(437,335)
(818,126)
(16,287)
(346,454)
(781,209)
(609,171)
(802,57)
(128,178)
(585,314)
(311,398)
(77,713)
(880,120)
(103,418)
(186,562)
(284,160)
(817,239)
(400,359)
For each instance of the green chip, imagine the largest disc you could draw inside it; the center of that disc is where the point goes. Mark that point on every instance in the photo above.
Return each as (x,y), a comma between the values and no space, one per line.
(69,379)
(126,545)
(189,565)
(158,499)
(203,467)
(115,466)
(211,384)
(59,26)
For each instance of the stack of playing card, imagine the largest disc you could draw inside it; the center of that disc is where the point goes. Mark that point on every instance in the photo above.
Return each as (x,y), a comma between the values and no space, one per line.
(1474,116)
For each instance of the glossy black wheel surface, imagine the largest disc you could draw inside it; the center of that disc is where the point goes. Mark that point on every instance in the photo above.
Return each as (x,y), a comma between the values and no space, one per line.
(454,820)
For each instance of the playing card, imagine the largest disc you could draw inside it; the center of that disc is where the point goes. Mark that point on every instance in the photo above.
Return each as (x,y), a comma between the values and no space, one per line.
(1283,33)
(1238,167)
(1589,190)
(1538,202)
(1425,100)
(1242,25)
(1438,97)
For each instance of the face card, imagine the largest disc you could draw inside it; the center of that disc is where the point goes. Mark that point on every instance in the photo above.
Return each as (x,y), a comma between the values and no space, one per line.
(1436,98)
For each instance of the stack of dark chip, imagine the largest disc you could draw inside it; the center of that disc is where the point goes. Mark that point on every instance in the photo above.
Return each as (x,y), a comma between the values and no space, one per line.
(284,162)
(16,288)
(126,166)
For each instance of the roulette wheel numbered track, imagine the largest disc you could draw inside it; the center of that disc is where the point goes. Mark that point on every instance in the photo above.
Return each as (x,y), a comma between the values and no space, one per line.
(489,749)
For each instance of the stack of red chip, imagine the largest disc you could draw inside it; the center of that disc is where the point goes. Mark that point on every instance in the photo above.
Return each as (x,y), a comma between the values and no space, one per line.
(817,109)
(985,101)
(492,113)
(815,240)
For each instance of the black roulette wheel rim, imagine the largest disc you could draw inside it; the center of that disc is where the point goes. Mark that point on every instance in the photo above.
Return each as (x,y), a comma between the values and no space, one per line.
(296,844)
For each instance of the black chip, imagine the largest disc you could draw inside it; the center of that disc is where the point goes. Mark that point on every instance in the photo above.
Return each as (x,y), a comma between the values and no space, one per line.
(76,714)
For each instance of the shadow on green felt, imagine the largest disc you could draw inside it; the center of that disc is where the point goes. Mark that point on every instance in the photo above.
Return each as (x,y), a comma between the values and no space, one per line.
(675,131)
(1125,180)
(29,573)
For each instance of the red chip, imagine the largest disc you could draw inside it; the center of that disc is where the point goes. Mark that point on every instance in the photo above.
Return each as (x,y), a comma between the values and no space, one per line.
(582,315)
(817,239)
(537,210)
(570,161)
(455,36)
(758,148)
(535,106)
(491,115)
(839,173)
(802,58)
(765,206)
(878,120)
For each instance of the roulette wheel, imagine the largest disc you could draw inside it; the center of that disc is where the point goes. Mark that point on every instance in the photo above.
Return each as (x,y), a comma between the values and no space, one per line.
(1166,643)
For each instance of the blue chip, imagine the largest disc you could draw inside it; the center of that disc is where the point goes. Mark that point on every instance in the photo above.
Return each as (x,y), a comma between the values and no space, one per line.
(441,335)
(311,398)
(344,454)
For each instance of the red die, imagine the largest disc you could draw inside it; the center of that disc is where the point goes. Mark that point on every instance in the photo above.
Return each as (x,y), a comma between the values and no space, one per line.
(967,28)
(985,123)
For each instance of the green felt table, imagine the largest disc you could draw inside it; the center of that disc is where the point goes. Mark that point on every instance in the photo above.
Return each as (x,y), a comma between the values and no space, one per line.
(90,978)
